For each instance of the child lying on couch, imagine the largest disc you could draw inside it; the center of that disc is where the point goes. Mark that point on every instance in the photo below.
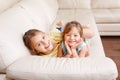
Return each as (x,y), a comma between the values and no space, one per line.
(73,44)
(42,44)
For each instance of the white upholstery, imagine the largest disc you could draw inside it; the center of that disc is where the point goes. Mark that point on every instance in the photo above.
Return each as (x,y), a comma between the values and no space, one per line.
(18,19)
(41,12)
(14,23)
(5,58)
(18,64)
(108,21)
(85,4)
(109,29)
(107,15)
(47,68)
(105,4)
(5,4)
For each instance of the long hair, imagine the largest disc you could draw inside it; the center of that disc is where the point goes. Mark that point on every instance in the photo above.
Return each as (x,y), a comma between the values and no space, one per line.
(27,40)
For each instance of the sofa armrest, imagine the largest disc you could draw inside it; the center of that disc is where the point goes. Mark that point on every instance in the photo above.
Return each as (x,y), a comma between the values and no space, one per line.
(48,68)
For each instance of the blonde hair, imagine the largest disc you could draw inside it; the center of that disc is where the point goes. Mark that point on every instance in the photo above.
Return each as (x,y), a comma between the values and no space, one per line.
(27,40)
(70,25)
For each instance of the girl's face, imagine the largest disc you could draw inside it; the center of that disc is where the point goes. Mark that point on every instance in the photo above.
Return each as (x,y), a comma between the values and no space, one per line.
(41,43)
(72,37)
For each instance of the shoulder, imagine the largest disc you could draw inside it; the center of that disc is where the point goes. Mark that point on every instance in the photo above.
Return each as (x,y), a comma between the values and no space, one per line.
(60,53)
(60,46)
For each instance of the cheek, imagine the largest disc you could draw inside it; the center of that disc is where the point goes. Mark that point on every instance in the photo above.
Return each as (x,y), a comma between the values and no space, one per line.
(66,38)
(40,49)
(78,39)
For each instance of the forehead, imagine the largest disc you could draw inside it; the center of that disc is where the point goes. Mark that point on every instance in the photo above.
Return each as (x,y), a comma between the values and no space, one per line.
(74,30)
(37,37)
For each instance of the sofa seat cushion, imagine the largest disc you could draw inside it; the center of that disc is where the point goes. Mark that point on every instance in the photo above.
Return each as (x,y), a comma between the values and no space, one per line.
(109,28)
(107,15)
(84,16)
(47,68)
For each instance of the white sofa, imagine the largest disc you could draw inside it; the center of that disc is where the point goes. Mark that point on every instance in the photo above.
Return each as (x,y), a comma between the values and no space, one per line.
(107,16)
(16,61)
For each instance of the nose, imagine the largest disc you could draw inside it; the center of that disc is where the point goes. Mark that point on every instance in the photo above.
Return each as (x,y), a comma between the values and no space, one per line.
(44,42)
(71,37)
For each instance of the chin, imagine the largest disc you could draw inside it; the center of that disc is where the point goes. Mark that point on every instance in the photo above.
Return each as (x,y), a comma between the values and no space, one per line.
(71,44)
(51,47)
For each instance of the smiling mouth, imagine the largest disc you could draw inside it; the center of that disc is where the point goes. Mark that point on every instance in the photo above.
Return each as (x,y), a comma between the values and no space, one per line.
(71,41)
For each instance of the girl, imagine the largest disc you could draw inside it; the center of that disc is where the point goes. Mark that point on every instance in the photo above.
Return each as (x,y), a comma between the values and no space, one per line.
(42,44)
(73,44)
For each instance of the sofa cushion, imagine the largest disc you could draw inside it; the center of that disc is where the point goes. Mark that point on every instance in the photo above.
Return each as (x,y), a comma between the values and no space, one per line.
(13,23)
(75,4)
(48,68)
(42,12)
(107,15)
(109,28)
(8,54)
(105,3)
(5,4)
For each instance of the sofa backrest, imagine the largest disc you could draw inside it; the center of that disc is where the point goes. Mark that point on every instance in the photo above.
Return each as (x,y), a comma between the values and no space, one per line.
(41,12)
(71,4)
(88,4)
(105,4)
(5,4)
(15,21)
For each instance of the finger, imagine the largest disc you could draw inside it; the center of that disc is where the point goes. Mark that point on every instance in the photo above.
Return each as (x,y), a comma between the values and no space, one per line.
(68,48)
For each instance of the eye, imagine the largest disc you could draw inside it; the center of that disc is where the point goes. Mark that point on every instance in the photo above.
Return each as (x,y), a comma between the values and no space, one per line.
(38,44)
(43,37)
(75,35)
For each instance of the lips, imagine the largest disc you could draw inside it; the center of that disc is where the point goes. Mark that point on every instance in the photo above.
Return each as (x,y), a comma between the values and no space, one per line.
(71,41)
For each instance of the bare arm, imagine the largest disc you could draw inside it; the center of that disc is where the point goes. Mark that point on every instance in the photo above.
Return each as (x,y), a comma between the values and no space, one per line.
(83,52)
(60,53)
(74,53)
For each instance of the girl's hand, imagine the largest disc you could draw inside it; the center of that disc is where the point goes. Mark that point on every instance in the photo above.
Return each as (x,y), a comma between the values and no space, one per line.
(83,52)
(68,48)
(77,44)
(73,48)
